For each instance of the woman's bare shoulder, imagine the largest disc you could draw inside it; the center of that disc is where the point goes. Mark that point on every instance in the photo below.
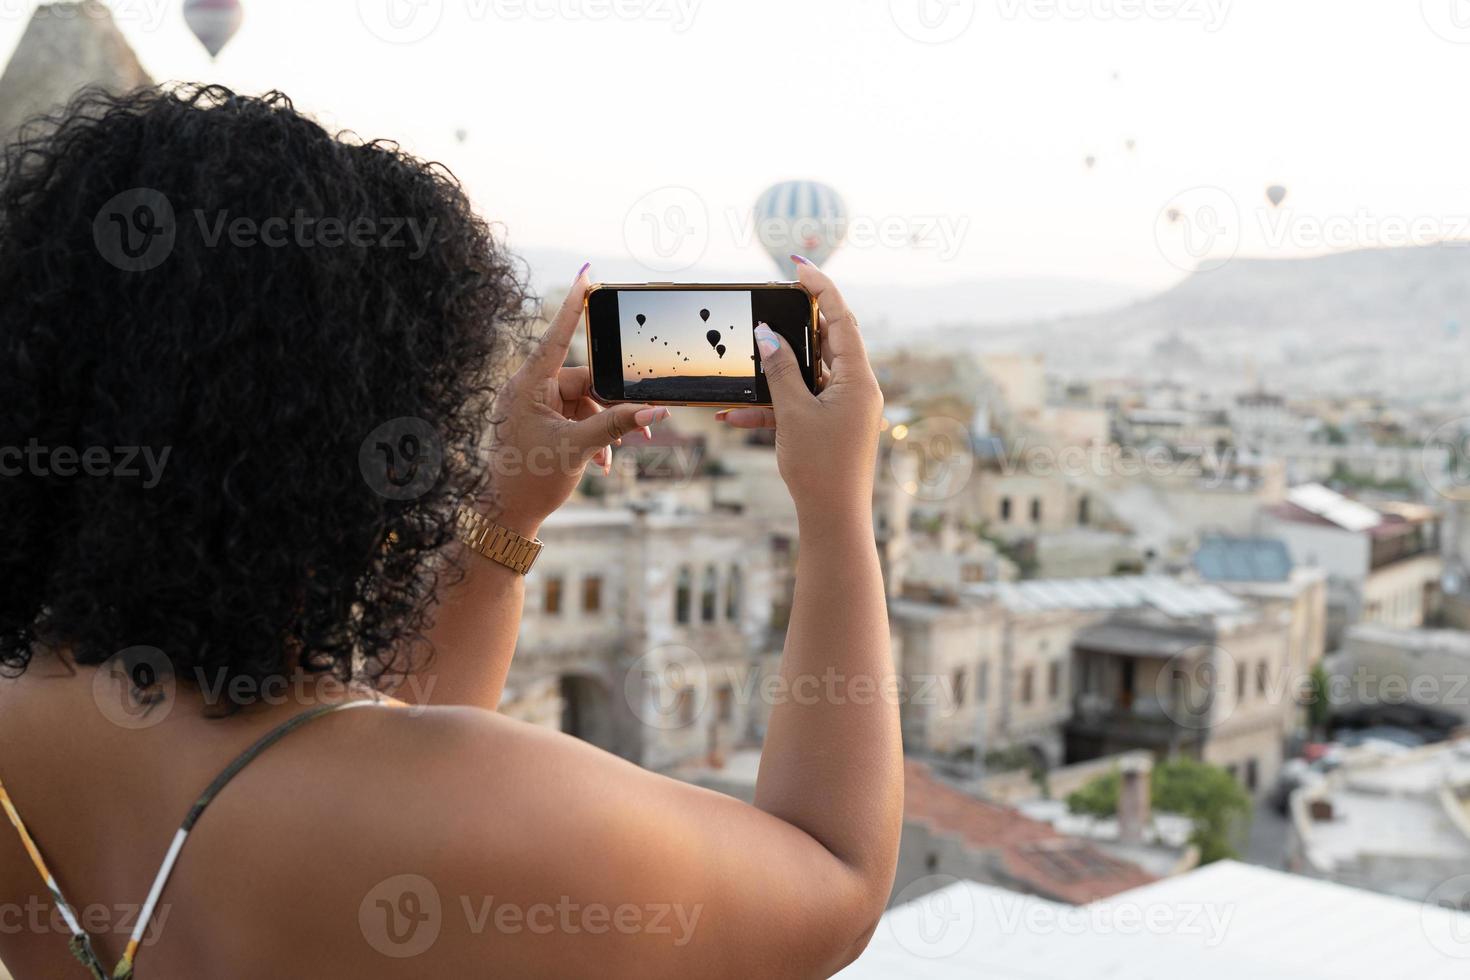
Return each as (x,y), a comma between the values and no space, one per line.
(510,845)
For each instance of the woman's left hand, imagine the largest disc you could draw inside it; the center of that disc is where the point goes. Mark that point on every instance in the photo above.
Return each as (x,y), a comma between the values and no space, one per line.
(550,428)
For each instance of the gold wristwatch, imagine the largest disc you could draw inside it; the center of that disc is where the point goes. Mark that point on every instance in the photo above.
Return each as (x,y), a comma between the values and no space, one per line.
(497,543)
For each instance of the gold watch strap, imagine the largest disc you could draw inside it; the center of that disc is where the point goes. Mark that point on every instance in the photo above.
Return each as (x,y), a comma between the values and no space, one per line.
(497,543)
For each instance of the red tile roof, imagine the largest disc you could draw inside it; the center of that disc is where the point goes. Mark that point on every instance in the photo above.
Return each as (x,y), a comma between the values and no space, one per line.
(1035,854)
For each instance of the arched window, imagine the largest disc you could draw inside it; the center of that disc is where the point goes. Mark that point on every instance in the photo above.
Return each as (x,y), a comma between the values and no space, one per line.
(1084,511)
(1005,509)
(709,596)
(734,597)
(684,595)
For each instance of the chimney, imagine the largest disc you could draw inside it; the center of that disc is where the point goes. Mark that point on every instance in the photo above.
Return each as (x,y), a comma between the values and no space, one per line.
(1134,814)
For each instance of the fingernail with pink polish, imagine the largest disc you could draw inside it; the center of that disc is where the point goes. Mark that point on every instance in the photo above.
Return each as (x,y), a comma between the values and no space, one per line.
(581,272)
(800,259)
(648,433)
(722,414)
(766,339)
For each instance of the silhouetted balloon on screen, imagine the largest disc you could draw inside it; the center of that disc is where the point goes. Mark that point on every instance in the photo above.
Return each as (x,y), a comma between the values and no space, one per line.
(720,350)
(1276,194)
(642,319)
(704,315)
(213,22)
(713,337)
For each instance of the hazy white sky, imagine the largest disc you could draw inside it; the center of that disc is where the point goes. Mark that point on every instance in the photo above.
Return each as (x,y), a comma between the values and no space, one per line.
(958,159)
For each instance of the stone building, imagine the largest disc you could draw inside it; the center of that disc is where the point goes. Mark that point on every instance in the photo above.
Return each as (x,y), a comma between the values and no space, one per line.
(647,633)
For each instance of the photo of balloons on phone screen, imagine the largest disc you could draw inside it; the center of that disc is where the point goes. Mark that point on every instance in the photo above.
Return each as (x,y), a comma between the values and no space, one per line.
(688,346)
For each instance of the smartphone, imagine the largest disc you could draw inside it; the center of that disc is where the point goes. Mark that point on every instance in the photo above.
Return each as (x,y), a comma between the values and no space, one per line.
(666,344)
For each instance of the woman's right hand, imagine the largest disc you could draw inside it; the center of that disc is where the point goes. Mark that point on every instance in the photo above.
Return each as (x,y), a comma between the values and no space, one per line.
(826,444)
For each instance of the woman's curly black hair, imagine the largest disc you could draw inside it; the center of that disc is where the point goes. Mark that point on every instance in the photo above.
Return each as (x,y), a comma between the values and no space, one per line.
(260,355)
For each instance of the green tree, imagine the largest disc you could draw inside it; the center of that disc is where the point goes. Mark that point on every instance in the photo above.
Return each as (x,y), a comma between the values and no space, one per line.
(1206,794)
(1318,708)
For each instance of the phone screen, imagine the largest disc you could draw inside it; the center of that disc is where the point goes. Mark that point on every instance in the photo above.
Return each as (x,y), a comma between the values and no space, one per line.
(693,345)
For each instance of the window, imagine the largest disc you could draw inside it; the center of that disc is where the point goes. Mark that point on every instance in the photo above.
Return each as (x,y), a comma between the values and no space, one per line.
(709,596)
(1251,774)
(1240,682)
(982,681)
(1005,509)
(1084,511)
(1027,682)
(1035,510)
(959,688)
(592,594)
(683,595)
(551,596)
(734,598)
(1054,680)
(1263,677)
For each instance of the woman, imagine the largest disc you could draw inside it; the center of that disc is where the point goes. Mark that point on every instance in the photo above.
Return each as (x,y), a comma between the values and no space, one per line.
(241,454)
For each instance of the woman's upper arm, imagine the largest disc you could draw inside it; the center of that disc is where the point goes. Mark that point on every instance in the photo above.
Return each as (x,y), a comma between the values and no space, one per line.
(554,858)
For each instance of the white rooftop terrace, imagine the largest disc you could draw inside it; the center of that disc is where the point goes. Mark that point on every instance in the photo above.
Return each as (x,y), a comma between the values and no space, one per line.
(1221,922)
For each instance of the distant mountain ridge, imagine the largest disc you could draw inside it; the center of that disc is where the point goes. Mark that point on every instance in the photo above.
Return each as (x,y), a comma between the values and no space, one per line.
(1344,294)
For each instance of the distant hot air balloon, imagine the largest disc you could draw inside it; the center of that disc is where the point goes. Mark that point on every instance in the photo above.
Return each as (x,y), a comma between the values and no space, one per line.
(1174,215)
(801,216)
(1091,162)
(461,135)
(1130,144)
(213,22)
(1276,194)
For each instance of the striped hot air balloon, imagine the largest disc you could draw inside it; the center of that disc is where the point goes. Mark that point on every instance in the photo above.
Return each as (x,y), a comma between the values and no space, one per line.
(801,216)
(213,22)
